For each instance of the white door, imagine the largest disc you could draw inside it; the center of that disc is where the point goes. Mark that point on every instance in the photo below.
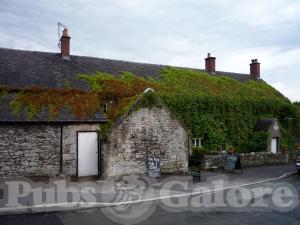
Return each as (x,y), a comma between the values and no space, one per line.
(274,145)
(87,153)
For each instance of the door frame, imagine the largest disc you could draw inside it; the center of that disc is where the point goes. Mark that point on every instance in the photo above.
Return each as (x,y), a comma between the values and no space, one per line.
(99,150)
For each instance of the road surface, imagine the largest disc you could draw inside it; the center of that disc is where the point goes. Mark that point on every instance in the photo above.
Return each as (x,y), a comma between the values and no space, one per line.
(160,215)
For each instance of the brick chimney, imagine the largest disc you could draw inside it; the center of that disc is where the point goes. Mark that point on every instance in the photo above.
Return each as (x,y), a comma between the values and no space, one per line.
(65,45)
(210,64)
(255,69)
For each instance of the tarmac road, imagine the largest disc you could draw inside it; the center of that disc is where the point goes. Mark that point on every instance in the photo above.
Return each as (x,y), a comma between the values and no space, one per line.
(157,213)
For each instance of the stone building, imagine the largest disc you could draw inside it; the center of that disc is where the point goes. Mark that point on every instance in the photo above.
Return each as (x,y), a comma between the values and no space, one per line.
(271,127)
(75,148)
(67,145)
(146,132)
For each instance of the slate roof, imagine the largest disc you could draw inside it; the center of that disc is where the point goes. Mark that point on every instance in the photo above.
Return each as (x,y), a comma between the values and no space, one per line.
(264,124)
(7,115)
(19,68)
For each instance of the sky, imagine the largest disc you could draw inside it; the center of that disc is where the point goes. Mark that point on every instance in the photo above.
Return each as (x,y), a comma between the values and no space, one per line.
(171,32)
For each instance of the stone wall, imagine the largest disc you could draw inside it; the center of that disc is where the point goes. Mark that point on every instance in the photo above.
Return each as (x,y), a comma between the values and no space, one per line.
(263,158)
(293,155)
(143,133)
(247,159)
(35,150)
(29,150)
(69,152)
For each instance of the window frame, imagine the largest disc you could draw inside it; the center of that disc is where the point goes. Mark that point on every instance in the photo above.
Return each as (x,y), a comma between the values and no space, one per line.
(197,142)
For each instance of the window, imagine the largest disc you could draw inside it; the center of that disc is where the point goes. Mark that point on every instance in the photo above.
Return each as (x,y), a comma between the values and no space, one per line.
(105,108)
(196,142)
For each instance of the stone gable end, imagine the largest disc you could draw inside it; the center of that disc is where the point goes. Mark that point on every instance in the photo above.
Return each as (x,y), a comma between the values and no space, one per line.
(143,133)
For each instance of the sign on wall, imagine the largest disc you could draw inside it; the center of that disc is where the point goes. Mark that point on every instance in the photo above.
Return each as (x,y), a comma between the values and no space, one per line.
(153,167)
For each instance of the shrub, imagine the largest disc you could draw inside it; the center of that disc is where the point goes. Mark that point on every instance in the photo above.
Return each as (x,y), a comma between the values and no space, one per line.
(199,152)
(258,142)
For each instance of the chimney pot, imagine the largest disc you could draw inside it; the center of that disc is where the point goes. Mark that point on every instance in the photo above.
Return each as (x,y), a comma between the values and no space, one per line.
(65,45)
(255,69)
(65,33)
(210,63)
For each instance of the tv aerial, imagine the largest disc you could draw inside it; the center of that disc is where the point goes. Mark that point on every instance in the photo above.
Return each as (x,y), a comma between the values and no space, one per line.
(59,26)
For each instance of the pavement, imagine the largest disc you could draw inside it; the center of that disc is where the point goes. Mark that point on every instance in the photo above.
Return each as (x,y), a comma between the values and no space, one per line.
(22,196)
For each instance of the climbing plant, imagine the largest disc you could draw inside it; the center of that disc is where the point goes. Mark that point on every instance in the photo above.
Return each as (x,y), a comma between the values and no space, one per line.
(35,100)
(221,110)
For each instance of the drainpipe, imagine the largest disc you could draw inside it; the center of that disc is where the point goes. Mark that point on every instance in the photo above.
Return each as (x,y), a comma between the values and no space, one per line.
(61,148)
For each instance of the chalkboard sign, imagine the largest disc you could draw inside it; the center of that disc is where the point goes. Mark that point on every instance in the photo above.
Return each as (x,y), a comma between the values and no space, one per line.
(153,167)
(232,162)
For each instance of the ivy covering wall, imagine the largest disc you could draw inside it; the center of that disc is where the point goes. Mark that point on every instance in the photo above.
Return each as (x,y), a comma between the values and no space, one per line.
(221,110)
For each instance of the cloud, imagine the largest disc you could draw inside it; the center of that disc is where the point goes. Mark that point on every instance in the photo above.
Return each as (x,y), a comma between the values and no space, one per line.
(291,92)
(172,32)
(258,13)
